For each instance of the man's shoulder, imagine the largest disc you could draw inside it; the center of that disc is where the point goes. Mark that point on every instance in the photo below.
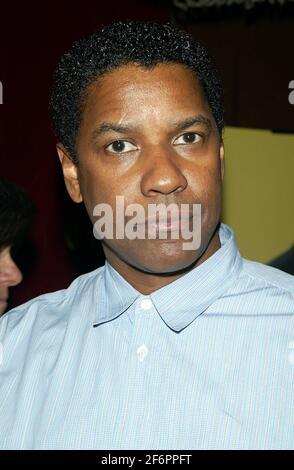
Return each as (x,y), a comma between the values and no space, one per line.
(55,306)
(269,276)
(259,290)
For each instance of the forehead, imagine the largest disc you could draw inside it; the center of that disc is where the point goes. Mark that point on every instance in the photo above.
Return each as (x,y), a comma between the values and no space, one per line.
(132,91)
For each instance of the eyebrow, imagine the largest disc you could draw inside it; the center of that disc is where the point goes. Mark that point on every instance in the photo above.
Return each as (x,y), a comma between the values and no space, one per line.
(110,127)
(105,127)
(198,120)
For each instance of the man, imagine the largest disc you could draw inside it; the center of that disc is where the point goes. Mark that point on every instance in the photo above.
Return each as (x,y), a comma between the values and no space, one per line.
(16,213)
(163,347)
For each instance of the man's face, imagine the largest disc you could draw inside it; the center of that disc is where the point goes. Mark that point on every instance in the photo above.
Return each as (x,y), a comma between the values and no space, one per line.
(10,276)
(148,135)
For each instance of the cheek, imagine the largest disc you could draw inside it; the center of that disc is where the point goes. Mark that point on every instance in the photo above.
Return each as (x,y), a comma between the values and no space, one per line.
(206,183)
(95,187)
(206,189)
(96,190)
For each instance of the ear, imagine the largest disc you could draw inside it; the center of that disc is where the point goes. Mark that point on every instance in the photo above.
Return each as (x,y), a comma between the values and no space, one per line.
(70,173)
(222,160)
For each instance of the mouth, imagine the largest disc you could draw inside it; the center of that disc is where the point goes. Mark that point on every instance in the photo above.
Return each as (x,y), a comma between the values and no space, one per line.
(168,223)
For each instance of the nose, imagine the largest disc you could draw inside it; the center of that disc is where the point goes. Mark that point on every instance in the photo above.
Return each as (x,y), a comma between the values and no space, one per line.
(10,275)
(162,173)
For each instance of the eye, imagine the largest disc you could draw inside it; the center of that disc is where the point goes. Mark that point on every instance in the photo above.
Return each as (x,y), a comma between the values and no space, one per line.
(187,138)
(120,146)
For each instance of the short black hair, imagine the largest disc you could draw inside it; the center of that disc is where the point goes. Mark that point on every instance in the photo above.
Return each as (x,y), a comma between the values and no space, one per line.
(16,214)
(144,43)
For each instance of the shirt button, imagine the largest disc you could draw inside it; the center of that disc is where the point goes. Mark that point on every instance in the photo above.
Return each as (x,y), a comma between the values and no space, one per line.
(142,352)
(146,304)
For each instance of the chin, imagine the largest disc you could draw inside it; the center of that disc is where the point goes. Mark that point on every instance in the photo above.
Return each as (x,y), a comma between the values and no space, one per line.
(166,259)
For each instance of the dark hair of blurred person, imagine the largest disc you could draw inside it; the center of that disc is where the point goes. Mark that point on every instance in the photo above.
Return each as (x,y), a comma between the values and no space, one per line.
(284,261)
(16,215)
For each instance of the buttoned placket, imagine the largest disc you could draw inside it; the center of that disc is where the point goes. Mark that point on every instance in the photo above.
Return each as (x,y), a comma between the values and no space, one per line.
(144,306)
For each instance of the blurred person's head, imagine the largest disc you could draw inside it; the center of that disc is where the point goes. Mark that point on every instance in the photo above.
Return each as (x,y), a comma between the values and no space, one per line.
(16,213)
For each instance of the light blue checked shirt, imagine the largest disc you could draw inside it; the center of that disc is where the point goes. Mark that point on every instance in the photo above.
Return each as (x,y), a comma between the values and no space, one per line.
(206,362)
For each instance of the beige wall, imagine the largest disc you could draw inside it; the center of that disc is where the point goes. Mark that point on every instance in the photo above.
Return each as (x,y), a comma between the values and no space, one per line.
(258,193)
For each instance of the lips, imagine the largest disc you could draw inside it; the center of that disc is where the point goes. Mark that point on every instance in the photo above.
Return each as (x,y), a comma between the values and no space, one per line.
(171,222)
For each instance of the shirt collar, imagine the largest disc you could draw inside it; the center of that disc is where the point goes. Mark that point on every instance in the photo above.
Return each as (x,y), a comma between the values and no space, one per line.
(184,299)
